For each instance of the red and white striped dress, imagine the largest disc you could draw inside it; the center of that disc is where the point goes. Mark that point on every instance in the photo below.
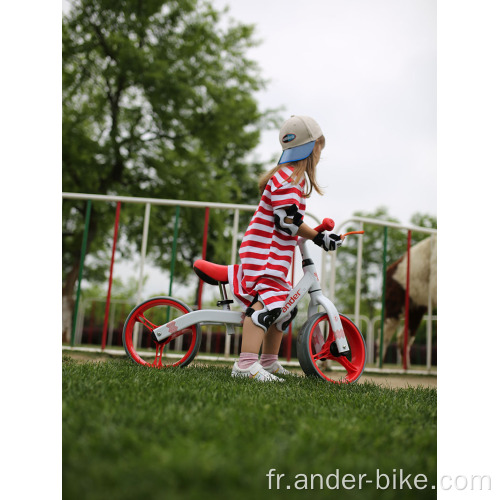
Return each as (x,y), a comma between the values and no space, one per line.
(266,252)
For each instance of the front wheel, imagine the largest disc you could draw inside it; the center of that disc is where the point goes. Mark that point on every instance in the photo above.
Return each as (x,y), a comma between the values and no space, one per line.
(178,350)
(316,349)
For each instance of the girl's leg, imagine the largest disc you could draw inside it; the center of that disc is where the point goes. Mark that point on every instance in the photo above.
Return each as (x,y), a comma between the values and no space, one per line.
(253,338)
(272,341)
(271,347)
(251,341)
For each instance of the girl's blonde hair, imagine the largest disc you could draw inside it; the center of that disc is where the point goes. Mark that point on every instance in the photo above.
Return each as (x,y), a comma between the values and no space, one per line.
(300,168)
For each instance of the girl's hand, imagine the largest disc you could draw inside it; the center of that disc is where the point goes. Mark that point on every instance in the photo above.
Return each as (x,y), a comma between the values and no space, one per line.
(328,241)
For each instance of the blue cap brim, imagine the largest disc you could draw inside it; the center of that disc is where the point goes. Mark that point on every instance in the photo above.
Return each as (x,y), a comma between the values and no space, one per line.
(297,153)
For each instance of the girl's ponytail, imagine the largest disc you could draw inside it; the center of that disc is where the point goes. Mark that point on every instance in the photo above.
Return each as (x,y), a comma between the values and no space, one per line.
(300,169)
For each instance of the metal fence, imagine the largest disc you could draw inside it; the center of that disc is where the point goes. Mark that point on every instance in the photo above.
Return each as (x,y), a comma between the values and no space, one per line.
(108,334)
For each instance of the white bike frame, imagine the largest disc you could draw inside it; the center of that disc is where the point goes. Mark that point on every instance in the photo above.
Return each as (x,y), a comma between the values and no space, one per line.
(308,284)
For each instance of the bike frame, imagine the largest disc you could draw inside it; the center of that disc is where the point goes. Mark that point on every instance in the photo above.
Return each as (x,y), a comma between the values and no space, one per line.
(309,283)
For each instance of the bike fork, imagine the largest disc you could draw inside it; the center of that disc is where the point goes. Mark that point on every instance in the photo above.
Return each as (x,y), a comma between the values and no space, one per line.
(318,299)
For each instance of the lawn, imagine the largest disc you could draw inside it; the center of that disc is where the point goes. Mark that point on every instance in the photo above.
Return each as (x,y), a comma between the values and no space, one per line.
(131,432)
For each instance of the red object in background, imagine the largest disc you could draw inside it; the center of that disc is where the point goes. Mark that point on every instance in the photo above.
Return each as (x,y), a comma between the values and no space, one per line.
(289,337)
(203,253)
(110,283)
(407,302)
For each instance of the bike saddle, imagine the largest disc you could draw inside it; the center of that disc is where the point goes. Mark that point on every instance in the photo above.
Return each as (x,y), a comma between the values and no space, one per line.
(211,273)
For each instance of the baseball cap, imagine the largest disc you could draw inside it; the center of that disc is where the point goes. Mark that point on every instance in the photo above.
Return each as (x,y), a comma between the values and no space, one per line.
(297,137)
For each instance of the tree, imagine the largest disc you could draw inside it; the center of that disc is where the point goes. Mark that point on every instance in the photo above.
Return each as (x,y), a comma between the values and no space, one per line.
(158,101)
(372,265)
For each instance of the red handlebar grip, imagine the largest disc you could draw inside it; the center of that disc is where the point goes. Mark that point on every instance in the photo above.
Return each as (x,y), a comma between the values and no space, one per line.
(326,225)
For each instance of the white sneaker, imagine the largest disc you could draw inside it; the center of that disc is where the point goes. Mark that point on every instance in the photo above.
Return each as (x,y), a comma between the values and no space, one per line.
(256,371)
(277,369)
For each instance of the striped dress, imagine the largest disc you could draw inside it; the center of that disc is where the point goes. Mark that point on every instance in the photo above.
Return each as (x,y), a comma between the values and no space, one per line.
(266,252)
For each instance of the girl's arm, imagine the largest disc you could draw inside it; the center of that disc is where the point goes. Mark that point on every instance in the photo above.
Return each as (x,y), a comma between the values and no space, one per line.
(306,231)
(309,233)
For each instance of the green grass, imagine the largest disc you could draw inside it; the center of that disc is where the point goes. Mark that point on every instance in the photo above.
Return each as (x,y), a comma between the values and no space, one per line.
(136,433)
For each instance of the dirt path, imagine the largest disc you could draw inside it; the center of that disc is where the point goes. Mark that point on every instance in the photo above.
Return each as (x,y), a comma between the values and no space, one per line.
(394,381)
(397,381)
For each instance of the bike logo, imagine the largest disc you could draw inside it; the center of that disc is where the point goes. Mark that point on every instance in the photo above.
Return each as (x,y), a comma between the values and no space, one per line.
(172,327)
(291,301)
(339,334)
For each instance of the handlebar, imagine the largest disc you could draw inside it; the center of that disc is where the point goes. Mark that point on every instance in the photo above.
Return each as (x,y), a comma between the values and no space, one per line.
(353,232)
(326,225)
(329,224)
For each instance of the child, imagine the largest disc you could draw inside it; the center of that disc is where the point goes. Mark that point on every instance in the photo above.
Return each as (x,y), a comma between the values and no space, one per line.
(259,283)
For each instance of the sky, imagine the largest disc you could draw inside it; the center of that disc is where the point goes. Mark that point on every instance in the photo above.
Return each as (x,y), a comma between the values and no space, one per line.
(366,71)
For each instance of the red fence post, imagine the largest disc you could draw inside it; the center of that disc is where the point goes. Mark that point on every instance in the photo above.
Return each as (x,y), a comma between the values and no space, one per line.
(110,283)
(203,252)
(407,302)
(289,337)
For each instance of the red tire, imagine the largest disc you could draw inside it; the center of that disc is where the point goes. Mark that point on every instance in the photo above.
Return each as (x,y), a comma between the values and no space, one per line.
(318,354)
(152,313)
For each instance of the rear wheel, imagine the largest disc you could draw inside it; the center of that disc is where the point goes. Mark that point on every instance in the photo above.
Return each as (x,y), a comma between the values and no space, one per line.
(318,354)
(178,350)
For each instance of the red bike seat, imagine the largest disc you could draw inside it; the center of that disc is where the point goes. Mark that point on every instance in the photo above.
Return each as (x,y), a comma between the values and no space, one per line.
(211,273)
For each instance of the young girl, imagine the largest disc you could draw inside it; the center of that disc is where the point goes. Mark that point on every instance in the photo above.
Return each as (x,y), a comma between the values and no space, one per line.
(259,283)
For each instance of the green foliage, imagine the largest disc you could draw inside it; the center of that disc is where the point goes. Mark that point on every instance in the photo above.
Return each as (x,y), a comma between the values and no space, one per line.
(131,432)
(158,101)
(373,251)
(121,290)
